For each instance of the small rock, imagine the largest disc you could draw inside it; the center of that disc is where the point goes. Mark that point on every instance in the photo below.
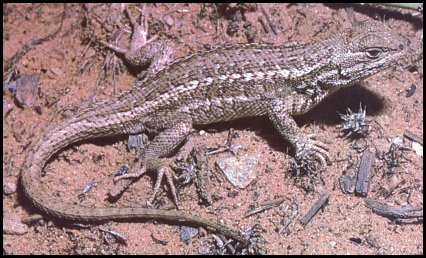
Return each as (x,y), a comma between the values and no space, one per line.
(397,140)
(169,20)
(49,223)
(232,28)
(360,145)
(347,182)
(186,233)
(411,90)
(250,32)
(9,188)
(12,224)
(371,241)
(25,91)
(240,171)
(418,148)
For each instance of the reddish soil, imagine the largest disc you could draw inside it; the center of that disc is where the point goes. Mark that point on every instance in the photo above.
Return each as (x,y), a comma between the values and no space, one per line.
(69,68)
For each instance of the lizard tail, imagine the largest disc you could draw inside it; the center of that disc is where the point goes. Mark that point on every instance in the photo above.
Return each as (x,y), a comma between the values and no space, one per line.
(56,139)
(73,132)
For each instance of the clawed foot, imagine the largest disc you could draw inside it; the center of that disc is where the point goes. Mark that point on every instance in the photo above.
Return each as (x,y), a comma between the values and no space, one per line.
(147,55)
(308,149)
(163,170)
(139,40)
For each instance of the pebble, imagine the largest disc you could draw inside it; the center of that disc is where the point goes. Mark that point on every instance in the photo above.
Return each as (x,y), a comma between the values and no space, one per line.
(240,171)
(169,20)
(12,224)
(9,188)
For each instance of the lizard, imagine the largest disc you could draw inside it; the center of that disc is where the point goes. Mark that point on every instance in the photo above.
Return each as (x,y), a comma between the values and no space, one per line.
(226,83)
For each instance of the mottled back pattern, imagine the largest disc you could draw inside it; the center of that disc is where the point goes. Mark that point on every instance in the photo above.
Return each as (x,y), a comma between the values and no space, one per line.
(241,74)
(218,85)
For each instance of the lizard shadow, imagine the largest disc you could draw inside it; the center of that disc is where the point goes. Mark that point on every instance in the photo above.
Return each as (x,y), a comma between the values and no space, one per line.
(325,113)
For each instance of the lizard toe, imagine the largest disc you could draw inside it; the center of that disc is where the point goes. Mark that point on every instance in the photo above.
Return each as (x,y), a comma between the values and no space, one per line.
(314,150)
(164,172)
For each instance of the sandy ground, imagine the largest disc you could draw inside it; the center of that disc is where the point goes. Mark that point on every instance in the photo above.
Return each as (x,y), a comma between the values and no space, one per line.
(71,72)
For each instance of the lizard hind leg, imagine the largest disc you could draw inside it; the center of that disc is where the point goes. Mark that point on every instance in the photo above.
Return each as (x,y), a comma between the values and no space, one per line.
(154,159)
(152,54)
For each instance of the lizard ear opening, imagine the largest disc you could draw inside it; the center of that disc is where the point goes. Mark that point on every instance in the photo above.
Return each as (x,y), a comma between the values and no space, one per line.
(373,53)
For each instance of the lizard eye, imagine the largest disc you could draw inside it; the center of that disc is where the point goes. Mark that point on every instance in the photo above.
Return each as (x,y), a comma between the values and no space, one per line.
(373,53)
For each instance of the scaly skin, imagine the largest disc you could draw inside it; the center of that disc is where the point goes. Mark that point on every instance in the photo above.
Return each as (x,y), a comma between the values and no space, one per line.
(218,85)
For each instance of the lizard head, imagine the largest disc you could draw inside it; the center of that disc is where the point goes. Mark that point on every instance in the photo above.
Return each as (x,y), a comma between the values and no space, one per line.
(364,50)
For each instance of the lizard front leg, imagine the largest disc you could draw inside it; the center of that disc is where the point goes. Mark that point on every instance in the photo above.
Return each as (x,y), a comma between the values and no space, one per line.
(154,156)
(280,112)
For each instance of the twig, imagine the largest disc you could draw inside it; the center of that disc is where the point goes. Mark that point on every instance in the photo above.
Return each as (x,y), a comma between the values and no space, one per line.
(262,21)
(315,208)
(364,170)
(265,206)
(395,213)
(269,21)
(413,137)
